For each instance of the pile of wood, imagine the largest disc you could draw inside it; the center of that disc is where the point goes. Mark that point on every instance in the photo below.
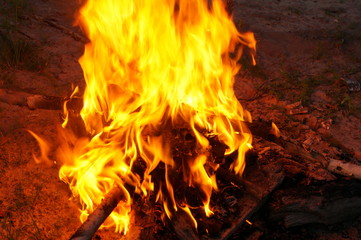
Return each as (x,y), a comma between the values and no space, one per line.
(277,180)
(235,202)
(283,183)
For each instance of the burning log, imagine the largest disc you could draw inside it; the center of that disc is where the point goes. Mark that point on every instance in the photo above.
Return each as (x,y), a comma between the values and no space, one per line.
(96,218)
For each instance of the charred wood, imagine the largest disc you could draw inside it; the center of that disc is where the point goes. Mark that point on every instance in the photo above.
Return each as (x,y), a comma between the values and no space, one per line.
(331,203)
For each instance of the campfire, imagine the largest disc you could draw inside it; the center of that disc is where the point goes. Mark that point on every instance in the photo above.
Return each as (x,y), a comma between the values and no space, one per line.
(157,138)
(159,113)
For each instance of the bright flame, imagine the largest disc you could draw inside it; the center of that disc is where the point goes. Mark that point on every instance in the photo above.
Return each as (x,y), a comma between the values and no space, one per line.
(275,131)
(152,66)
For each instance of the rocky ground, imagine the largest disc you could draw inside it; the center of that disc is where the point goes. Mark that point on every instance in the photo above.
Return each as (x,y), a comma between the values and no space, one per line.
(307,81)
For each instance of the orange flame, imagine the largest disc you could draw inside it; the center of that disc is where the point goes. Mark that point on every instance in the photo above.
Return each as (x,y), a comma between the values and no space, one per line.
(151,66)
(44,149)
(275,131)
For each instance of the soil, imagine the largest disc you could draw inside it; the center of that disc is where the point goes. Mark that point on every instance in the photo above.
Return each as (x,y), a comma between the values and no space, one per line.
(308,57)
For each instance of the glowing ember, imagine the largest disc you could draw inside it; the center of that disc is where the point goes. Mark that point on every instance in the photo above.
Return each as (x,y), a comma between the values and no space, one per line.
(152,66)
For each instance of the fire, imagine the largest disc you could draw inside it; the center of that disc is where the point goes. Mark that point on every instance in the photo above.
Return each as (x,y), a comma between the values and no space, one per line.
(151,66)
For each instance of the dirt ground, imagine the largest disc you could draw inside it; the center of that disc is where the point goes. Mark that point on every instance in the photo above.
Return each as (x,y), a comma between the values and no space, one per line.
(307,81)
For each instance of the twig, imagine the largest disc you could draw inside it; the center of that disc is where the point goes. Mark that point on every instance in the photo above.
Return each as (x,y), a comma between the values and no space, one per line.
(65,30)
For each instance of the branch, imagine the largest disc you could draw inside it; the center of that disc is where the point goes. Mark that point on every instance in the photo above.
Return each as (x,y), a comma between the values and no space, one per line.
(96,218)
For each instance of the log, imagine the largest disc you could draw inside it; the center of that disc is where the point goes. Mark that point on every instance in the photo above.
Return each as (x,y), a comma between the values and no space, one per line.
(44,102)
(331,203)
(344,168)
(13,97)
(37,101)
(96,218)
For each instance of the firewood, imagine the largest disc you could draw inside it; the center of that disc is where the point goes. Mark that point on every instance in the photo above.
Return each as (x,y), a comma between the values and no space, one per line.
(331,203)
(96,218)
(263,129)
(37,101)
(312,164)
(13,97)
(44,102)
(345,168)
